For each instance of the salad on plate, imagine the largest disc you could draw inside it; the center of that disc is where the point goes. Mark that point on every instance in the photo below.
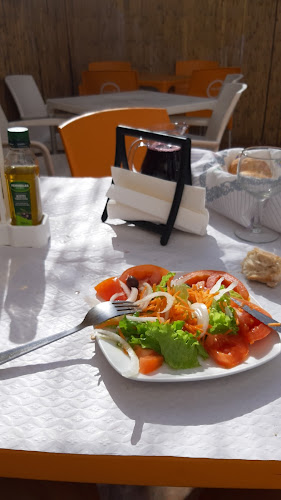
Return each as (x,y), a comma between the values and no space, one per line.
(183,319)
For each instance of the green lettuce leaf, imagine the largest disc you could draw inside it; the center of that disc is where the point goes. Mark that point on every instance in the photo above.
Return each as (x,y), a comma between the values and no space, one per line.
(164,281)
(179,348)
(222,322)
(183,291)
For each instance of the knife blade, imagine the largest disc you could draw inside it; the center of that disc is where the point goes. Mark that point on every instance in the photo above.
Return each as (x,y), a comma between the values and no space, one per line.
(266,320)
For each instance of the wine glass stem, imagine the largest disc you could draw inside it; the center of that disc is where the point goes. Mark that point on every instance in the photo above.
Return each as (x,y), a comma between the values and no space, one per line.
(257,225)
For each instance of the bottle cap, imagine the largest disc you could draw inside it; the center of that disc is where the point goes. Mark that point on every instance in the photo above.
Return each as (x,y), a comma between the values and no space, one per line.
(18,137)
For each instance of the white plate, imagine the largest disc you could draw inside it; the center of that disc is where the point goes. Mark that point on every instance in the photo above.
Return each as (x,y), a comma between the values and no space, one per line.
(260,352)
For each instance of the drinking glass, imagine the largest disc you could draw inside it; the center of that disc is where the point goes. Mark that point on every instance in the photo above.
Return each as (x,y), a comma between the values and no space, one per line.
(259,173)
(161,160)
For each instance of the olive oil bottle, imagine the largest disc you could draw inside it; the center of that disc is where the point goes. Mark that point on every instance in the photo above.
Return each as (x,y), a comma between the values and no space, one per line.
(22,178)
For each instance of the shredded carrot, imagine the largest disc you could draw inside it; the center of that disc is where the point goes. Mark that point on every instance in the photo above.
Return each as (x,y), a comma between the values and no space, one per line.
(273,324)
(200,295)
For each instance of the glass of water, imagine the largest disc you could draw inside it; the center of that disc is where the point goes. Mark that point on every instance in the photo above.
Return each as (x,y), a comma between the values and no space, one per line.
(259,173)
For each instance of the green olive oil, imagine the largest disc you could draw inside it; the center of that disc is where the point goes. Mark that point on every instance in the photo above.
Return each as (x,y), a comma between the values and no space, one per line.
(22,178)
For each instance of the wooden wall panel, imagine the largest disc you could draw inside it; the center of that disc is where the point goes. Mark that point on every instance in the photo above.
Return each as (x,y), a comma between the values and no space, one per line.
(54,40)
(259,26)
(272,119)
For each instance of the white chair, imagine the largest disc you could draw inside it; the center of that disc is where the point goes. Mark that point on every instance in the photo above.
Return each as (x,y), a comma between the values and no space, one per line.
(36,145)
(216,124)
(30,104)
(198,121)
(233,78)
(230,78)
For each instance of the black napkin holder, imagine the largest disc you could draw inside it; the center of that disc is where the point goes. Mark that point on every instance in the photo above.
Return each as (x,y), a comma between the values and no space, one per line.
(184,173)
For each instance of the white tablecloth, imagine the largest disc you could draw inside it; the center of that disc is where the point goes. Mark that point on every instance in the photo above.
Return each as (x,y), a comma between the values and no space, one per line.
(66,398)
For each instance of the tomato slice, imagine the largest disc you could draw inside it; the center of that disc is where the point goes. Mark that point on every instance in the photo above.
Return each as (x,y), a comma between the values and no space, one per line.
(195,276)
(211,277)
(227,350)
(109,287)
(249,327)
(146,272)
(228,279)
(258,332)
(149,359)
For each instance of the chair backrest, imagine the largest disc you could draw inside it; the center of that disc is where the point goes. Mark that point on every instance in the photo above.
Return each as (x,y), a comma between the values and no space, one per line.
(233,78)
(30,103)
(90,140)
(100,82)
(109,66)
(227,101)
(208,82)
(187,67)
(27,96)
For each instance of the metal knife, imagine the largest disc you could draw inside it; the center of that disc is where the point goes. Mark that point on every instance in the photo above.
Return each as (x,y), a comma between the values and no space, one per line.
(267,320)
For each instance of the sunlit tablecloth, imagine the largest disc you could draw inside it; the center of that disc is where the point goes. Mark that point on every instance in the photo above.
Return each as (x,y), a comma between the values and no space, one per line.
(66,398)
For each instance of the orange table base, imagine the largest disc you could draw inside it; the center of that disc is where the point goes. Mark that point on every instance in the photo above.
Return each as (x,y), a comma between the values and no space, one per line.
(157,471)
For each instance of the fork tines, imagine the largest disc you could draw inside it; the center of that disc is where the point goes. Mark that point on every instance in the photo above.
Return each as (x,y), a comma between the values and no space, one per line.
(125,305)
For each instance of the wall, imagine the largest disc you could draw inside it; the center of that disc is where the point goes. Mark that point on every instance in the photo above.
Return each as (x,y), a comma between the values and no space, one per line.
(55,39)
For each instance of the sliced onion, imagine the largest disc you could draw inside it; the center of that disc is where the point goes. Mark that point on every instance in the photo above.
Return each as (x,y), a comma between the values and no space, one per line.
(217,285)
(178,281)
(201,312)
(142,319)
(115,296)
(225,290)
(147,291)
(107,335)
(133,294)
(125,288)
(170,300)
(146,287)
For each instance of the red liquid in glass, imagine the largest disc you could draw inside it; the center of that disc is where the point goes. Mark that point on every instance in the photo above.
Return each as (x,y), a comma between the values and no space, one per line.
(162,161)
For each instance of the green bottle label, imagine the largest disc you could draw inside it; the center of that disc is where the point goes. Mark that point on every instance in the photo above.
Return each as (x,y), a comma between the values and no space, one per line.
(20,192)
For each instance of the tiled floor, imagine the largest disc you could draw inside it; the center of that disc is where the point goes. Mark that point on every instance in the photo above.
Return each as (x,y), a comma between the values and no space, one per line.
(13,489)
(115,492)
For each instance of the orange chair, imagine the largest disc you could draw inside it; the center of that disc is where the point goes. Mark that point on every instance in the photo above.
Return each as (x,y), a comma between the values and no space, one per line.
(109,66)
(187,67)
(90,140)
(101,82)
(208,83)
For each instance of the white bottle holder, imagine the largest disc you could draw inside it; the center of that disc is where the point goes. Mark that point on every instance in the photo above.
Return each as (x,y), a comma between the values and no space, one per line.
(25,236)
(19,236)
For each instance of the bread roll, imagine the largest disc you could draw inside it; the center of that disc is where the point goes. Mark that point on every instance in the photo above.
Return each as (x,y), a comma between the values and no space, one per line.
(251,167)
(262,266)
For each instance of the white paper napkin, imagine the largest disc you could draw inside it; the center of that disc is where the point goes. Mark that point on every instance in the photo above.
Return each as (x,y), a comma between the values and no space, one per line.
(224,194)
(135,196)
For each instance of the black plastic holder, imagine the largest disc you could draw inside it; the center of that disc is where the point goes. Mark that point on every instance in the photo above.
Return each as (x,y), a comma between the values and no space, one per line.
(184,175)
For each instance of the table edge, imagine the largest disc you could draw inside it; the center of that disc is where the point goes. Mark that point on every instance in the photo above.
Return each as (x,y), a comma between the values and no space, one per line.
(139,470)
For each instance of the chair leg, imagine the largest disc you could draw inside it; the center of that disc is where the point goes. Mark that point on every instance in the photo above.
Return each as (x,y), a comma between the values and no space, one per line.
(53,140)
(229,139)
(46,155)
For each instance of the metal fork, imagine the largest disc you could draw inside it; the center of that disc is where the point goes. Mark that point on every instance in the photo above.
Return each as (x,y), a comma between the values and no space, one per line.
(95,316)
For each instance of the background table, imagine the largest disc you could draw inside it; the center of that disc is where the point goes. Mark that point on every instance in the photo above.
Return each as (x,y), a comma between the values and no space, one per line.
(174,104)
(162,82)
(66,414)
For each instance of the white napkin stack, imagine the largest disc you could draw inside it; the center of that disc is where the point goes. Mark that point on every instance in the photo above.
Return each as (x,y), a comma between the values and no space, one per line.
(224,194)
(135,196)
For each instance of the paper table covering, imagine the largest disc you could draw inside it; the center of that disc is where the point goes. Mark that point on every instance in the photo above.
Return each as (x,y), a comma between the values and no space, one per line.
(66,398)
